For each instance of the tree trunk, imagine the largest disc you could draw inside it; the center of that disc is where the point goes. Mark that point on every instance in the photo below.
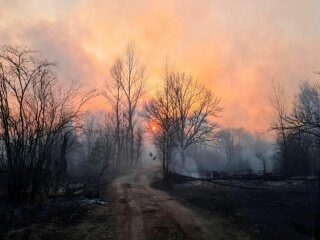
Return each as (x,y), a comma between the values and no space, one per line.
(183,158)
(62,168)
(131,147)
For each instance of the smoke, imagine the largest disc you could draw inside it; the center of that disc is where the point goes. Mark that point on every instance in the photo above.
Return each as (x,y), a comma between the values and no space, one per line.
(235,150)
(233,47)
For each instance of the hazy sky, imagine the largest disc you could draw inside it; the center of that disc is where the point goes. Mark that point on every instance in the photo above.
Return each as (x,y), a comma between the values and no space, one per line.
(235,47)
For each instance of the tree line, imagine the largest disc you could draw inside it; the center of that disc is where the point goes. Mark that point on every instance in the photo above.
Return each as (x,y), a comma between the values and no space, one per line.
(44,129)
(42,120)
(297,127)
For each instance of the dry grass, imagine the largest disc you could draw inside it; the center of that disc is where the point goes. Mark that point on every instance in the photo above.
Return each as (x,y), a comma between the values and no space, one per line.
(97,222)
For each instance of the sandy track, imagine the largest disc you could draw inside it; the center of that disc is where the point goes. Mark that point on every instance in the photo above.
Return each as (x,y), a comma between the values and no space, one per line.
(146,213)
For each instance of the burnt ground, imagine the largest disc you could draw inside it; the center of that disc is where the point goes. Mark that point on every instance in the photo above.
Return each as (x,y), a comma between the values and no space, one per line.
(79,217)
(144,212)
(137,208)
(277,211)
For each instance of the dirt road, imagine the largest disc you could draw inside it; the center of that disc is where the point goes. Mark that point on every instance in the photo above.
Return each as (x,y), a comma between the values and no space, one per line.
(146,213)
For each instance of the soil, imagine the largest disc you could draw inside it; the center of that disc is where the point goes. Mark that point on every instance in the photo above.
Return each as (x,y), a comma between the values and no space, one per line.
(139,208)
(287,211)
(147,213)
(71,219)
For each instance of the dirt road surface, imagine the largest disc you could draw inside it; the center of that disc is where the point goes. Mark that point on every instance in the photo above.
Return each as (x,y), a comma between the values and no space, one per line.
(146,213)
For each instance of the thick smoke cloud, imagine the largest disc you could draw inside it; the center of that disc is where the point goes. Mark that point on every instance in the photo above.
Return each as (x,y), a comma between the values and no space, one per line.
(236,48)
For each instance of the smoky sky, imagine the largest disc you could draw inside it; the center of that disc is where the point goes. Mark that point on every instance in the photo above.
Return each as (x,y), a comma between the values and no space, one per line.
(235,48)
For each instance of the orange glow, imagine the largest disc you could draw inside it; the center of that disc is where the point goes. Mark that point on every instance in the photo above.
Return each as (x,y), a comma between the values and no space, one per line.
(152,127)
(235,47)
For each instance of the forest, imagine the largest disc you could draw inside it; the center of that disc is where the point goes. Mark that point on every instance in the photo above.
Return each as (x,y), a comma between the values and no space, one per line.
(51,148)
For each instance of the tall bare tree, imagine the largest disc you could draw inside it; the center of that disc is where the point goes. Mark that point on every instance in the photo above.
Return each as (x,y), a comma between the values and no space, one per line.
(114,95)
(195,107)
(181,112)
(128,71)
(159,112)
(279,102)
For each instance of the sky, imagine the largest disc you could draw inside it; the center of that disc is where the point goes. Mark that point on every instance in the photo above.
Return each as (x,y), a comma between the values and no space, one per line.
(235,48)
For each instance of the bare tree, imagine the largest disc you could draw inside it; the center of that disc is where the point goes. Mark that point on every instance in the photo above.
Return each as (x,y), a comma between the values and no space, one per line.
(181,112)
(279,102)
(195,107)
(114,95)
(232,141)
(305,123)
(299,130)
(128,72)
(139,145)
(261,148)
(306,111)
(159,112)
(34,112)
